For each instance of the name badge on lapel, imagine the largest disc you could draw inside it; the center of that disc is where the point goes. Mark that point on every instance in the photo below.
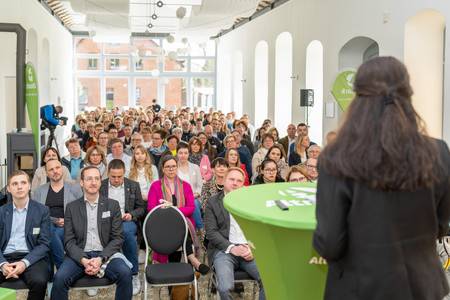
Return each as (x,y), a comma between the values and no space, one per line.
(106,214)
(36,230)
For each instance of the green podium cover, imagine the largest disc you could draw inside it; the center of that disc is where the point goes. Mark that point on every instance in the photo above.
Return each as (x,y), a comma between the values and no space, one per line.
(7,294)
(289,266)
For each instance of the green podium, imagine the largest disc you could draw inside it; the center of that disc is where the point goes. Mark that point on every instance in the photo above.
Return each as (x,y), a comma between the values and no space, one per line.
(7,294)
(289,266)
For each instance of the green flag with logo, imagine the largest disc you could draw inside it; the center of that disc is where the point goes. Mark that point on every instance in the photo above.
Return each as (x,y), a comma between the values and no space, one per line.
(343,88)
(32,101)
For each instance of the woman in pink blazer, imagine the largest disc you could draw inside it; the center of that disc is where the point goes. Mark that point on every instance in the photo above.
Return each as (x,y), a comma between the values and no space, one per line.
(170,190)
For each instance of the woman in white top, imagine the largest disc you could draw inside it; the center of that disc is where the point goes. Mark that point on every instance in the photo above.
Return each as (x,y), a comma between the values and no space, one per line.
(142,170)
(190,173)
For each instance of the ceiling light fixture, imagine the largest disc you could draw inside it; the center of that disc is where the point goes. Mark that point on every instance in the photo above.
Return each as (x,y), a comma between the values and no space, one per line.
(159,3)
(154,16)
(150,25)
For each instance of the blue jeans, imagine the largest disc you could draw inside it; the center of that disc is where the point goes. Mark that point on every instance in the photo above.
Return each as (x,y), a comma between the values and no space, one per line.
(224,266)
(129,246)
(56,245)
(197,215)
(70,271)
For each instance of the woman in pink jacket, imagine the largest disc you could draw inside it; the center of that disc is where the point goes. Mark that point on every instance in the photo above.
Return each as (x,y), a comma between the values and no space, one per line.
(171,190)
(196,156)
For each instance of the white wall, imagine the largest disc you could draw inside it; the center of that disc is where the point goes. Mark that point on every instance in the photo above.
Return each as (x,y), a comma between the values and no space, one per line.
(50,51)
(333,23)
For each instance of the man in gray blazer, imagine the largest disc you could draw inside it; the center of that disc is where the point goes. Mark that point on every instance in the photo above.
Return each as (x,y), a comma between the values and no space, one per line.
(92,236)
(56,194)
(228,249)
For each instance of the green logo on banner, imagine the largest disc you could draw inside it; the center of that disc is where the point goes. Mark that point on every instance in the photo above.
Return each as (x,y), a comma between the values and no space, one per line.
(32,101)
(343,88)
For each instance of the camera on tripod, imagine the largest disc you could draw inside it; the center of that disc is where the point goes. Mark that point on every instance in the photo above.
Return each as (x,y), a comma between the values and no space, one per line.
(45,124)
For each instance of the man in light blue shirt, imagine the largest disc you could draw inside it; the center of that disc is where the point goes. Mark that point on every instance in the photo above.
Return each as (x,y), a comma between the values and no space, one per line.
(24,238)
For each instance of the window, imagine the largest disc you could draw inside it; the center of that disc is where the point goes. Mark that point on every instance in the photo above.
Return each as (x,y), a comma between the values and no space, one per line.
(92,63)
(138,95)
(139,65)
(110,94)
(114,63)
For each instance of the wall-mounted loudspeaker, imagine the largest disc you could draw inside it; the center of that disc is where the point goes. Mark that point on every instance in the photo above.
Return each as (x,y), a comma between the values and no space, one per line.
(306,97)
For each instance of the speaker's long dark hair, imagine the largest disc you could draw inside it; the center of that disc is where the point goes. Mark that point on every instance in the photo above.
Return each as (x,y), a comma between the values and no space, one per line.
(383,142)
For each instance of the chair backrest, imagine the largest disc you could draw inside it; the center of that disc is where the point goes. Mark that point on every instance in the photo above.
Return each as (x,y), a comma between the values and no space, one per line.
(165,230)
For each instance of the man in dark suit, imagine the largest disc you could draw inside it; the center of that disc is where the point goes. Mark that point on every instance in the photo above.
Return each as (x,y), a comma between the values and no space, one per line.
(93,237)
(289,139)
(128,193)
(24,238)
(228,249)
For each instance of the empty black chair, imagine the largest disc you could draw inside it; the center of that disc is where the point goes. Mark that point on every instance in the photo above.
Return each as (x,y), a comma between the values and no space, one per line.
(165,231)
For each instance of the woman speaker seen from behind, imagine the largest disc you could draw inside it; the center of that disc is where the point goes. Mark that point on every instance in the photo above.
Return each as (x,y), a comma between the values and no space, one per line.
(383,195)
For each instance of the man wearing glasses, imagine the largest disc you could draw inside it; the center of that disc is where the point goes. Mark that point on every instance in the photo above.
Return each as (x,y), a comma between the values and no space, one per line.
(92,236)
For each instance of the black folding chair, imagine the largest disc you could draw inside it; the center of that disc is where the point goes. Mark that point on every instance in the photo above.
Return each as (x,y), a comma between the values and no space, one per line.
(240,276)
(165,231)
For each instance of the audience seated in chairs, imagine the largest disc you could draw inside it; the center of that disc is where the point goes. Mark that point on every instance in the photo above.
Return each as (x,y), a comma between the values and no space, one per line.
(25,238)
(228,249)
(93,240)
(56,195)
(128,193)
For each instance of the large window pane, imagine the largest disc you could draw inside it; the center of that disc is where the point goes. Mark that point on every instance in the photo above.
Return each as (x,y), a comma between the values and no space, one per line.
(88,64)
(202,65)
(116,64)
(88,91)
(178,65)
(175,92)
(146,91)
(116,92)
(87,46)
(202,92)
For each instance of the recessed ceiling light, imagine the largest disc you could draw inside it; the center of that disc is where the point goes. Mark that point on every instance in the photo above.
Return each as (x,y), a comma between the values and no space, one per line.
(159,3)
(154,16)
(150,25)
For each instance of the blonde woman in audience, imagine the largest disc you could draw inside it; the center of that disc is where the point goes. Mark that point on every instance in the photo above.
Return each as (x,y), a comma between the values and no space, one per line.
(300,154)
(40,175)
(276,153)
(142,170)
(95,156)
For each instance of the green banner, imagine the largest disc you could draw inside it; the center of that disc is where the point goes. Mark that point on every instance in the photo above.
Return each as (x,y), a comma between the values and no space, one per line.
(32,101)
(343,88)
